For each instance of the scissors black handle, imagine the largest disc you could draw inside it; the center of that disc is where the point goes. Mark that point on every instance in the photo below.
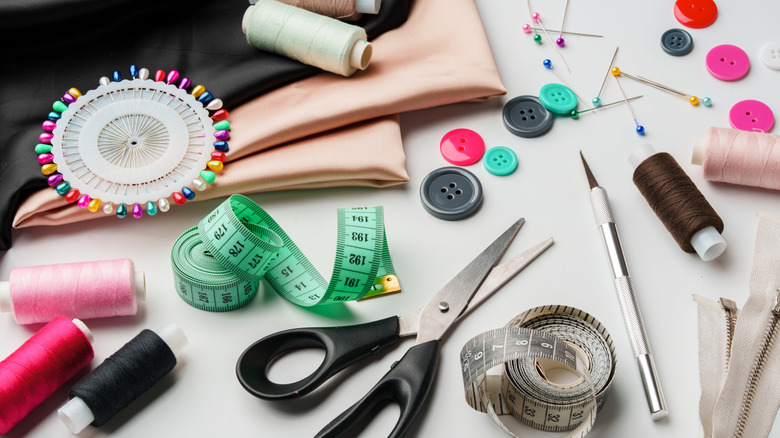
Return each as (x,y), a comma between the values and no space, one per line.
(407,383)
(343,346)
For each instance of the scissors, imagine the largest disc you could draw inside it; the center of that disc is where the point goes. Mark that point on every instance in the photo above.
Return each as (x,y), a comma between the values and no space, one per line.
(409,379)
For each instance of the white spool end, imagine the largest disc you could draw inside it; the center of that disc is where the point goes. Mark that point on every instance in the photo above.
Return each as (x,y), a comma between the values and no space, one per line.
(76,415)
(368,6)
(640,154)
(84,329)
(139,283)
(245,19)
(697,156)
(708,243)
(361,53)
(173,335)
(6,304)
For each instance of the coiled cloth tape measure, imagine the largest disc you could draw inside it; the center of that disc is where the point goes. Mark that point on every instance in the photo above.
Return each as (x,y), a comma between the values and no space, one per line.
(218,265)
(530,347)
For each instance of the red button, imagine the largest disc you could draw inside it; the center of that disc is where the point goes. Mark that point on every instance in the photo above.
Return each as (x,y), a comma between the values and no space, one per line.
(695,13)
(462,147)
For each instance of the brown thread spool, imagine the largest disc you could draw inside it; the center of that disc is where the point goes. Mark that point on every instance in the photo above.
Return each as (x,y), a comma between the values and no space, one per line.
(674,198)
(340,9)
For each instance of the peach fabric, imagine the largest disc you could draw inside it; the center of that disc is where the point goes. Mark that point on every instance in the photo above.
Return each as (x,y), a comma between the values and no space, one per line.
(330,131)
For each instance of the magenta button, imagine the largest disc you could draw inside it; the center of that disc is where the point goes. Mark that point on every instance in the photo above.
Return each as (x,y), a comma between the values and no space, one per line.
(751,115)
(462,147)
(727,62)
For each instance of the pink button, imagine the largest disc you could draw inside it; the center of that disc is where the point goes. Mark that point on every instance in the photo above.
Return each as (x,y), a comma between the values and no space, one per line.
(751,115)
(727,62)
(462,147)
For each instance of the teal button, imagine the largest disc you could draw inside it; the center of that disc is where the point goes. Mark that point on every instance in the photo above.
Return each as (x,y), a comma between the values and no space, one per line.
(500,160)
(558,98)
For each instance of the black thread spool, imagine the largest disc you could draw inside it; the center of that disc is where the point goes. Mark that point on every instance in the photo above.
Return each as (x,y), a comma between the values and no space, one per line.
(674,198)
(122,378)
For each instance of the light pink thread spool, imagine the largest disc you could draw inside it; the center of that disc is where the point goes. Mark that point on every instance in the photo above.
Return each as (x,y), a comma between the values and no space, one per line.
(75,290)
(739,157)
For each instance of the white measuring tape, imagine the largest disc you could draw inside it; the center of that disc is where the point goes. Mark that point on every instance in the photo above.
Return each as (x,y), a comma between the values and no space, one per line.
(527,349)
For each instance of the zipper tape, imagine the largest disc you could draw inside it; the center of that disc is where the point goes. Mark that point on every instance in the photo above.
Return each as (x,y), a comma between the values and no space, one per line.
(218,265)
(527,351)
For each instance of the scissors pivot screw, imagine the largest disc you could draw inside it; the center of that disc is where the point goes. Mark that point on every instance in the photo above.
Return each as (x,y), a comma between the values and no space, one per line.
(444,306)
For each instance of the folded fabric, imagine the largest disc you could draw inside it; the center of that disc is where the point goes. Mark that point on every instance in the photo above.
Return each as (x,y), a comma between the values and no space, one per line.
(418,65)
(59,44)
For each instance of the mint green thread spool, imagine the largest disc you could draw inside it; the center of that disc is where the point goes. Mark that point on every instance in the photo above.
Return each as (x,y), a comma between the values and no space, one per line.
(307,37)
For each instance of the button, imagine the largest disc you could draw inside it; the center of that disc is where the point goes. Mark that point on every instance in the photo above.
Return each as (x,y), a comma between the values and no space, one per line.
(695,13)
(451,193)
(751,115)
(462,147)
(676,42)
(500,160)
(770,55)
(525,116)
(558,98)
(727,62)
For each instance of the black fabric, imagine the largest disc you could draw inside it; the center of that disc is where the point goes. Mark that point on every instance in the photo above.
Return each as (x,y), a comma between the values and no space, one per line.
(50,46)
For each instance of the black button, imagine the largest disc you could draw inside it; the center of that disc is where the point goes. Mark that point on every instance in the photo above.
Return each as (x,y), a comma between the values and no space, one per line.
(676,42)
(451,193)
(525,116)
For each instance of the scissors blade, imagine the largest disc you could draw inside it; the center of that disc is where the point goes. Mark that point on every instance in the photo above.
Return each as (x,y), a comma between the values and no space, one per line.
(498,277)
(445,306)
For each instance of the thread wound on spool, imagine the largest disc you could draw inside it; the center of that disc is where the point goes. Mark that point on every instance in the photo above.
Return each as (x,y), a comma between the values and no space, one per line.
(84,290)
(124,376)
(741,157)
(310,38)
(39,367)
(675,199)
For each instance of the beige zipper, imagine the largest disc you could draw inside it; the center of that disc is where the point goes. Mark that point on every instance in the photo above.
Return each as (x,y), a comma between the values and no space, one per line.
(770,332)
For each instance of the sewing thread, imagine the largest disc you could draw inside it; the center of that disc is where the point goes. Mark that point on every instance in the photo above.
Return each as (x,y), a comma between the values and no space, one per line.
(122,378)
(308,37)
(339,9)
(83,290)
(675,199)
(739,157)
(40,366)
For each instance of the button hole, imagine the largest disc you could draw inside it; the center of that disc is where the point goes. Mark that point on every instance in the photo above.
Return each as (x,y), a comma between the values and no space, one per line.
(747,113)
(461,148)
(530,110)
(459,192)
(533,117)
(722,59)
(444,189)
(522,112)
(452,185)
(462,140)
(754,120)
(450,197)
(525,118)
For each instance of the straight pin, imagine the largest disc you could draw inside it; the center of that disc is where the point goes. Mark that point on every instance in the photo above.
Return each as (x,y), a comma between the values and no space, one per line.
(639,128)
(560,41)
(693,100)
(527,28)
(537,18)
(575,114)
(597,100)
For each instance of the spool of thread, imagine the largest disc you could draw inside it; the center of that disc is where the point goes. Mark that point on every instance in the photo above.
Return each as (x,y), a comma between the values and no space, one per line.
(40,366)
(310,38)
(739,157)
(75,290)
(122,378)
(682,208)
(339,9)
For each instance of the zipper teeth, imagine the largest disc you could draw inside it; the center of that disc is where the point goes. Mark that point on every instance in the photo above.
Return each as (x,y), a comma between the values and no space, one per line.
(755,374)
(730,308)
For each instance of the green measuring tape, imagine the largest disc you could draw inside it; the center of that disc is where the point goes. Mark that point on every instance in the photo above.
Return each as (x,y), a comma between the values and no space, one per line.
(217,266)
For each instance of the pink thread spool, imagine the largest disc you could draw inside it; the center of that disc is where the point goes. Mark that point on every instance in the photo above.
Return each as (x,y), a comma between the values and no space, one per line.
(76,290)
(739,157)
(33,372)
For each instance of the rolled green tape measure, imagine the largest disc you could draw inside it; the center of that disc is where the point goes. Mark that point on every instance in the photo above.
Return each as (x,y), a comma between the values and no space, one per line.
(218,265)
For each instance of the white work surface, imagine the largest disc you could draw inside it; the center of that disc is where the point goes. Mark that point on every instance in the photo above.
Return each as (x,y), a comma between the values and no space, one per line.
(202,397)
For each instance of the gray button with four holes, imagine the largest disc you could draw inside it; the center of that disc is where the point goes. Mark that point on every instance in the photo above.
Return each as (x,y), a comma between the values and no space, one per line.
(676,42)
(451,193)
(525,116)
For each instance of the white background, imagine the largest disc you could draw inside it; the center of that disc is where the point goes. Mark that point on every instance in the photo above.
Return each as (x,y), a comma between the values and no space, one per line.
(202,396)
